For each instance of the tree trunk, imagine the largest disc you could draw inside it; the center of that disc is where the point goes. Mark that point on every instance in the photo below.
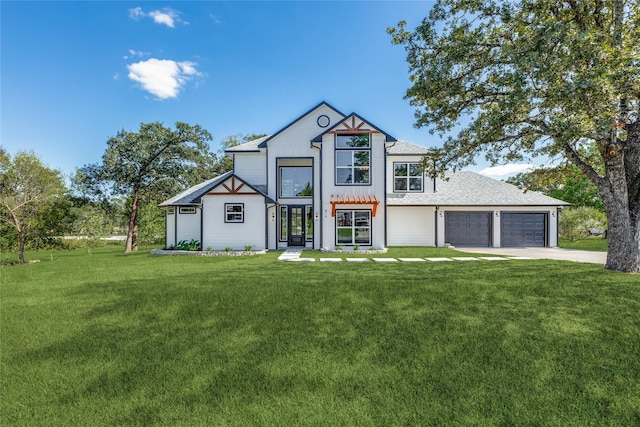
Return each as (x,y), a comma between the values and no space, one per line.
(21,247)
(623,234)
(132,233)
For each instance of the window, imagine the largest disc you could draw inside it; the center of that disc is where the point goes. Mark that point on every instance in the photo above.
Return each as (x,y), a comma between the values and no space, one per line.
(189,210)
(171,211)
(309,223)
(407,177)
(283,223)
(233,212)
(296,181)
(353,155)
(353,227)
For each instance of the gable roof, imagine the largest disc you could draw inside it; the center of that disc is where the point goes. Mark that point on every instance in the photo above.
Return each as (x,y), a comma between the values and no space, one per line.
(193,196)
(263,144)
(249,146)
(401,147)
(466,188)
(388,138)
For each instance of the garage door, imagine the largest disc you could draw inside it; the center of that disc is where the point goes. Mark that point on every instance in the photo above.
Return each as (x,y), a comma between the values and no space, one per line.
(468,228)
(523,229)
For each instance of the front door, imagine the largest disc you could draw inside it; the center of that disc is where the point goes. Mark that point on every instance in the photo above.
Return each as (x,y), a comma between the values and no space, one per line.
(296,226)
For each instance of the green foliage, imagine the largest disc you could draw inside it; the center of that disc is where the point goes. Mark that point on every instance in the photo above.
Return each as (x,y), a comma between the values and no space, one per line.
(577,223)
(191,245)
(225,341)
(536,78)
(153,163)
(151,220)
(248,248)
(228,249)
(32,201)
(567,183)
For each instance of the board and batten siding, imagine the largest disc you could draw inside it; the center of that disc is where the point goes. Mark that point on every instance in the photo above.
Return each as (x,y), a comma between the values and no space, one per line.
(218,234)
(411,226)
(171,228)
(187,225)
(252,167)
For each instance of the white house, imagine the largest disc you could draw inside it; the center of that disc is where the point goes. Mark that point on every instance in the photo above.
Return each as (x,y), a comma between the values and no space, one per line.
(330,179)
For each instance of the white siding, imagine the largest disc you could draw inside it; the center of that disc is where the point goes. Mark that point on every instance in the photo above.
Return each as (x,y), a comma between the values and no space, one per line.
(188,225)
(218,234)
(171,229)
(251,167)
(411,226)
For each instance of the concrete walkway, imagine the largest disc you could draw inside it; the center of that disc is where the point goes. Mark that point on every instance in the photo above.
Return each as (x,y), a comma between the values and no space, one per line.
(544,253)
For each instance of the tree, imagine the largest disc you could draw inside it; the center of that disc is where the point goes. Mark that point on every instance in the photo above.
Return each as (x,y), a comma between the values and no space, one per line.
(225,162)
(147,165)
(566,182)
(537,77)
(28,193)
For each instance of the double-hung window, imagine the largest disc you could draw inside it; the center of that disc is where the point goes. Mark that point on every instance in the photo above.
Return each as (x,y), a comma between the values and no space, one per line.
(353,227)
(353,159)
(407,177)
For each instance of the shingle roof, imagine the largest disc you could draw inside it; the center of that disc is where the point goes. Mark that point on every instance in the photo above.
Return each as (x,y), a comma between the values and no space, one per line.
(252,145)
(406,147)
(465,188)
(191,196)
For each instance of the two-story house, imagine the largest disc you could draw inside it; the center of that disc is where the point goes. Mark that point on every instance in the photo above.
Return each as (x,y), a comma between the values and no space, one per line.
(329,179)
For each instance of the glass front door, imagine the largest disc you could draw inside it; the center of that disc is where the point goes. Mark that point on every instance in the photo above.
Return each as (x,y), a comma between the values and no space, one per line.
(296,226)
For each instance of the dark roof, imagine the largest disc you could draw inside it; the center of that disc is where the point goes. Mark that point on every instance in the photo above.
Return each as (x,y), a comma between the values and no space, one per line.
(193,196)
(388,138)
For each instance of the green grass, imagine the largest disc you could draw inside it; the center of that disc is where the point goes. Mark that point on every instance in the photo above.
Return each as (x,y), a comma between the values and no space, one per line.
(114,339)
(587,244)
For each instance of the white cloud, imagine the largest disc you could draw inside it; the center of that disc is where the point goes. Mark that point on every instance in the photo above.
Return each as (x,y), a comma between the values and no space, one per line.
(163,78)
(136,13)
(506,170)
(166,16)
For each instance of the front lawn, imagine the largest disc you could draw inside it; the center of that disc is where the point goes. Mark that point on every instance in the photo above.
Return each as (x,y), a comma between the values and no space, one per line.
(114,339)
(592,243)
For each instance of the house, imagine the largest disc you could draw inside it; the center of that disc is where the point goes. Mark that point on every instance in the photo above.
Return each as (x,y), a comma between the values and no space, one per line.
(329,179)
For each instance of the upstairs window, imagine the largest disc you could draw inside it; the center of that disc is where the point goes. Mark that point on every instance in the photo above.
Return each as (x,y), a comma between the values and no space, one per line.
(407,177)
(353,159)
(296,181)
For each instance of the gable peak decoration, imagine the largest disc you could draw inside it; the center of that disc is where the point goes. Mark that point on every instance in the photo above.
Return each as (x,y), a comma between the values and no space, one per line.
(353,125)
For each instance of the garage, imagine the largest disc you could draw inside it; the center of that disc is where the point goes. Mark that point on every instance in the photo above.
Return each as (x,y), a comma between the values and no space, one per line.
(518,229)
(468,228)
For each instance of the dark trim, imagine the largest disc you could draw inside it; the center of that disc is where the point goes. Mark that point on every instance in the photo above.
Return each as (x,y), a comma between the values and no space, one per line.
(336,150)
(175,230)
(278,180)
(435,240)
(303,236)
(393,178)
(386,217)
(279,225)
(201,228)
(335,227)
(264,143)
(195,210)
(306,222)
(321,213)
(226,213)
(388,138)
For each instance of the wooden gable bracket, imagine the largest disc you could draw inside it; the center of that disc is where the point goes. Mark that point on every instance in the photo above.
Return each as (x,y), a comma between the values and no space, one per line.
(234,189)
(352,128)
(355,200)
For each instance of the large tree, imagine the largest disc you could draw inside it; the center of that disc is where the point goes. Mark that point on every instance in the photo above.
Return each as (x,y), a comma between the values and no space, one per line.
(29,195)
(150,164)
(537,77)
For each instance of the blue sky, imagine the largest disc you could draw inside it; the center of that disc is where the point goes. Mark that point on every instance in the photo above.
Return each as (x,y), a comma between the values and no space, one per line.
(75,73)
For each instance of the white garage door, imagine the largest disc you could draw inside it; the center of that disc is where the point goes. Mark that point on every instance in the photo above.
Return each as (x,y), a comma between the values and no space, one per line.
(410,226)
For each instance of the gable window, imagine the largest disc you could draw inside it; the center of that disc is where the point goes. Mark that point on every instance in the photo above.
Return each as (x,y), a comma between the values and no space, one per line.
(353,227)
(171,210)
(189,210)
(296,181)
(234,212)
(407,177)
(353,159)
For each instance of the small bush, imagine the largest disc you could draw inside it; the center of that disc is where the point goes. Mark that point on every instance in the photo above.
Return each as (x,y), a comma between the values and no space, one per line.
(248,248)
(228,249)
(192,245)
(577,223)
(339,247)
(356,247)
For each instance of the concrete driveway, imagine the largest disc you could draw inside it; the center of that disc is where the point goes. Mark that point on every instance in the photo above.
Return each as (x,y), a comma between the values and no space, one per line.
(544,253)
